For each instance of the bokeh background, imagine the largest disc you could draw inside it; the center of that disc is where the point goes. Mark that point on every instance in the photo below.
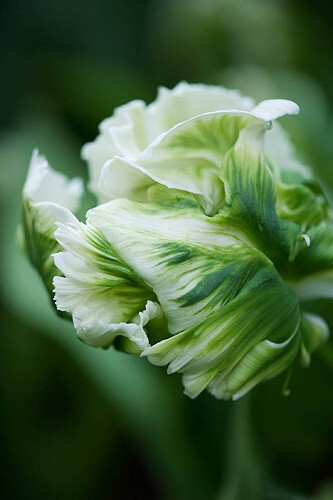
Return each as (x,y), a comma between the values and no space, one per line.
(79,423)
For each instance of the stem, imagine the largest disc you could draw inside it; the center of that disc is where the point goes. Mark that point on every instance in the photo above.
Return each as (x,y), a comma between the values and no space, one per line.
(242,476)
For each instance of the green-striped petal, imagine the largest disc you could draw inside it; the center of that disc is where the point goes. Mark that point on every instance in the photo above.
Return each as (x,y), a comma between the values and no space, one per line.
(179,251)
(134,126)
(188,156)
(223,297)
(251,185)
(103,294)
(247,339)
(48,198)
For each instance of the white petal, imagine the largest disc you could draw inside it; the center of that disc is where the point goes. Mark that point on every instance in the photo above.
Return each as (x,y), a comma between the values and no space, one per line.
(44,184)
(280,149)
(271,109)
(48,198)
(134,126)
(98,333)
(101,292)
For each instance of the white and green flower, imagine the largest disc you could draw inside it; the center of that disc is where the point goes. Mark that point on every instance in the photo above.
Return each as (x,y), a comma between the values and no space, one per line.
(210,234)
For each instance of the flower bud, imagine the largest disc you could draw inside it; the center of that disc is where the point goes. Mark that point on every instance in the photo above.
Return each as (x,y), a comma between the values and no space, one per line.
(209,233)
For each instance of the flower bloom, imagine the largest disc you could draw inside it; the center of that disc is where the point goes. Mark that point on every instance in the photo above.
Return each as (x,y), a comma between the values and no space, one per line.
(207,235)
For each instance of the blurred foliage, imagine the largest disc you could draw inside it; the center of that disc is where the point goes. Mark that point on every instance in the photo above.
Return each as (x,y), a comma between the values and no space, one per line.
(79,423)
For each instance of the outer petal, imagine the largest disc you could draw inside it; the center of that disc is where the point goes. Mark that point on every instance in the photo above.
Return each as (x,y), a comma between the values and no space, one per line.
(224,298)
(48,197)
(253,338)
(264,361)
(181,253)
(105,297)
(45,185)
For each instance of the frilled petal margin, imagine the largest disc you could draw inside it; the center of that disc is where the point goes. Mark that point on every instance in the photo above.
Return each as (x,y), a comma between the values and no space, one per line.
(48,198)
(188,155)
(134,126)
(174,248)
(235,321)
(253,338)
(105,297)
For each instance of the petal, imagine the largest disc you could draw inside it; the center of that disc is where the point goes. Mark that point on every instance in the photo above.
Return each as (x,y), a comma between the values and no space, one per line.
(185,256)
(44,184)
(271,109)
(105,297)
(250,189)
(119,134)
(313,273)
(121,178)
(281,151)
(186,157)
(234,322)
(185,101)
(251,338)
(151,140)
(48,197)
(264,361)
(99,333)
(134,126)
(277,144)
(222,299)
(315,332)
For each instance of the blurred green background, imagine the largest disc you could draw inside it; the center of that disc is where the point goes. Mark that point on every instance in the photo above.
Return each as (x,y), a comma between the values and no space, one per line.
(81,423)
